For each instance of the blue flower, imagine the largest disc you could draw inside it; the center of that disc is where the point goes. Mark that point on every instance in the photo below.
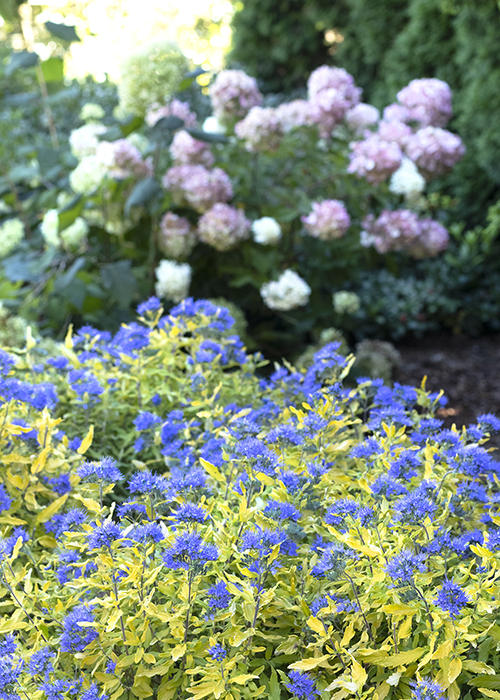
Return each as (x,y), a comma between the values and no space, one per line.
(333,561)
(152,304)
(280,510)
(403,566)
(84,383)
(427,690)
(146,420)
(188,512)
(261,542)
(40,663)
(209,351)
(260,457)
(58,362)
(217,652)
(6,362)
(75,443)
(66,522)
(451,598)
(75,637)
(189,552)
(388,487)
(414,508)
(8,645)
(5,499)
(104,471)
(148,483)
(60,484)
(110,666)
(302,685)
(133,511)
(93,693)
(218,596)
(366,449)
(59,689)
(489,422)
(145,534)
(104,535)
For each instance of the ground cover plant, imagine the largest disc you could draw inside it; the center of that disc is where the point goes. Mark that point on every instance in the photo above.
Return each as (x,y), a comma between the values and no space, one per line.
(306,539)
(275,207)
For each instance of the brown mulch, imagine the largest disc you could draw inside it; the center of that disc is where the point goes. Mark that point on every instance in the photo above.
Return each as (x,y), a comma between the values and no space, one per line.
(467,369)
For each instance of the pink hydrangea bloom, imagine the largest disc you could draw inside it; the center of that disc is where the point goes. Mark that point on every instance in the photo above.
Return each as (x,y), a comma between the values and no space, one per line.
(261,129)
(374,159)
(392,230)
(396,113)
(402,230)
(394,131)
(223,227)
(332,92)
(233,95)
(294,114)
(328,220)
(427,101)
(176,108)
(361,116)
(328,109)
(185,150)
(122,159)
(435,151)
(326,78)
(176,238)
(433,239)
(197,186)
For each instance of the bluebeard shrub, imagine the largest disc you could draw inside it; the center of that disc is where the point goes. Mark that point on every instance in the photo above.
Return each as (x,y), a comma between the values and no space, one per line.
(338,542)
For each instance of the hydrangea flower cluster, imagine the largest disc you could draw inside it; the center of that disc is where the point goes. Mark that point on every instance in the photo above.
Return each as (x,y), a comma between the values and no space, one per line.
(223,226)
(427,101)
(185,150)
(374,159)
(435,151)
(175,108)
(328,220)
(197,186)
(233,94)
(261,129)
(403,230)
(173,280)
(176,237)
(288,292)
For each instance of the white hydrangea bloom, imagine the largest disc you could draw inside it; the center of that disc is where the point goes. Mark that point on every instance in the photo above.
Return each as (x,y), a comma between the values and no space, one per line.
(173,280)
(50,228)
(407,180)
(266,231)
(346,302)
(288,292)
(11,234)
(91,112)
(213,126)
(88,175)
(84,141)
(75,233)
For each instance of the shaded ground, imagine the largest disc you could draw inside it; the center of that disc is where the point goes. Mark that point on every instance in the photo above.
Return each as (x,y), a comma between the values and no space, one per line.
(467,369)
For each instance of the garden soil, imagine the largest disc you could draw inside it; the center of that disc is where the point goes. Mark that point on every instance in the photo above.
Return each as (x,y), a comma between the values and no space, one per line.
(467,369)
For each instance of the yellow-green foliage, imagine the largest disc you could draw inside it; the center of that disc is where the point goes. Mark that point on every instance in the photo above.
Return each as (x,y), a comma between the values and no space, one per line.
(354,544)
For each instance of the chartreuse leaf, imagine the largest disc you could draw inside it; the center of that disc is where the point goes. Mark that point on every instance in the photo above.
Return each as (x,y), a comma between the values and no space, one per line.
(313,662)
(50,511)
(86,442)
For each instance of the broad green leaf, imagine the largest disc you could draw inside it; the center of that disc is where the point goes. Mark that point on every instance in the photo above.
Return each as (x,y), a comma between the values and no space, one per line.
(66,32)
